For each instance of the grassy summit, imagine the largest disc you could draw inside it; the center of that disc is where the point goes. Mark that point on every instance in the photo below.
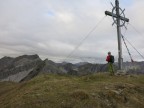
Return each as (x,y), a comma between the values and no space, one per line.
(61,91)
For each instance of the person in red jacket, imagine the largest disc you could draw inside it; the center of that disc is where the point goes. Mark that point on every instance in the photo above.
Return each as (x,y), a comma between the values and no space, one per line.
(110,64)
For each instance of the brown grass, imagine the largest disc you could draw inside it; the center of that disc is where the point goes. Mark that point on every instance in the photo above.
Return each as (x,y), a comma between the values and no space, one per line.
(62,91)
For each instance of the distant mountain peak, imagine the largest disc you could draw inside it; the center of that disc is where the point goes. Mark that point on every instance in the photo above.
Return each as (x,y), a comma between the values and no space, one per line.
(35,56)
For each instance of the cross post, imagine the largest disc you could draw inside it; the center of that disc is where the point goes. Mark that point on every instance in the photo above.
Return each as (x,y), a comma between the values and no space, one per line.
(119,18)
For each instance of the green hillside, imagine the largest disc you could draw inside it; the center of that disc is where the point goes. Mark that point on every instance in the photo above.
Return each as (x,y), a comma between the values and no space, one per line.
(61,91)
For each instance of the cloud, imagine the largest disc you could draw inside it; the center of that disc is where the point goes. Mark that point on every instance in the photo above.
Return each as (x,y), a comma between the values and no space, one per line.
(53,28)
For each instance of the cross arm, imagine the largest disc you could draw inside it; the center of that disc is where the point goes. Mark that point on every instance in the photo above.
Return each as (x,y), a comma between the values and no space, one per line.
(114,15)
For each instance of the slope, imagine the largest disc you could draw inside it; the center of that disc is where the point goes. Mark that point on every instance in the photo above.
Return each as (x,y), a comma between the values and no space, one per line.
(63,91)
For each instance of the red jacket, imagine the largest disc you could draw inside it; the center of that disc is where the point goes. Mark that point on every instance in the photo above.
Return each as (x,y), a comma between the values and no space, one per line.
(108,58)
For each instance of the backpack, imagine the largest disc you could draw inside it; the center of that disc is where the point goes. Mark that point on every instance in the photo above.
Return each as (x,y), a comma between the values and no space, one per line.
(111,59)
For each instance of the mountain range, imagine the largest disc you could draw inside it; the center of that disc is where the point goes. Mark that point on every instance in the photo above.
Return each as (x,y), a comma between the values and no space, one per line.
(26,67)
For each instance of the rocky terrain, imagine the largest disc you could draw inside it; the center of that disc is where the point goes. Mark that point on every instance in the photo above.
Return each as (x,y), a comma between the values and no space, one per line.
(16,69)
(26,67)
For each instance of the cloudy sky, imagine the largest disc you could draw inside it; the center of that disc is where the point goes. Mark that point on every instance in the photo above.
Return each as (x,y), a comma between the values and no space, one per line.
(54,28)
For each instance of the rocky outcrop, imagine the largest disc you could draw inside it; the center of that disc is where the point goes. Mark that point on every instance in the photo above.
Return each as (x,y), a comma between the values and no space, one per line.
(16,69)
(52,67)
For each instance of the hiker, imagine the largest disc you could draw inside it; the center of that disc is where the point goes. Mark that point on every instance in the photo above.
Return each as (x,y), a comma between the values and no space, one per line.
(110,60)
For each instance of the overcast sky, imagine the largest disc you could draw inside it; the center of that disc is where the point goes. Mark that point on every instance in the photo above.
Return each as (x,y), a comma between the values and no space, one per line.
(53,28)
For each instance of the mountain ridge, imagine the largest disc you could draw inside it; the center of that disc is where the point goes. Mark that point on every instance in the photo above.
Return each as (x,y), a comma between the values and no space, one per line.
(26,67)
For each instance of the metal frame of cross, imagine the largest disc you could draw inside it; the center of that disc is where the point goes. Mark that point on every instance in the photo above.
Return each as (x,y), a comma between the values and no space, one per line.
(118,18)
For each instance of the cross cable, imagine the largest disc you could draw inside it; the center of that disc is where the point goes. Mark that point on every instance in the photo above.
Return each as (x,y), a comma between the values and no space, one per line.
(89,33)
(127,48)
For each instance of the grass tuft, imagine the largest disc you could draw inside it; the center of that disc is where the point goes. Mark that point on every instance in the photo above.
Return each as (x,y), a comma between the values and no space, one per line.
(79,94)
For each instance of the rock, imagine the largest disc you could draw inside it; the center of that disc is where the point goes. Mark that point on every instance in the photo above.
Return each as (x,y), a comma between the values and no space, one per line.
(121,72)
(16,69)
